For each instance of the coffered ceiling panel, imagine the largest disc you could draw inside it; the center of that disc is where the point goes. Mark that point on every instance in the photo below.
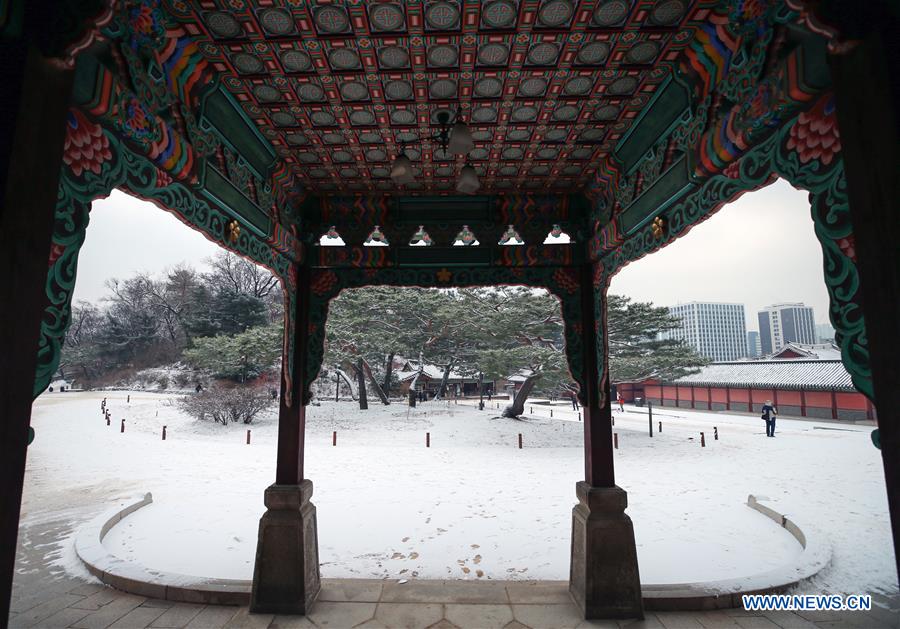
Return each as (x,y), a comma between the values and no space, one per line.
(547,86)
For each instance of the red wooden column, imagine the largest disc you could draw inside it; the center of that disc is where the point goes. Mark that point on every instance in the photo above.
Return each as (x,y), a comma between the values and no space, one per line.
(834,409)
(286,577)
(603,574)
(866,80)
(692,396)
(802,402)
(292,418)
(709,398)
(33,111)
(598,450)
(727,398)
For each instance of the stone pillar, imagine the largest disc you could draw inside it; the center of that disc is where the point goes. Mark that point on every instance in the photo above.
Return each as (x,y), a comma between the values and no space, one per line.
(32,131)
(286,574)
(866,81)
(603,577)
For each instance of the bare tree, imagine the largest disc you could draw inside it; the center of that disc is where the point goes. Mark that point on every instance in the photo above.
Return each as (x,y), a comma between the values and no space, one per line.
(235,274)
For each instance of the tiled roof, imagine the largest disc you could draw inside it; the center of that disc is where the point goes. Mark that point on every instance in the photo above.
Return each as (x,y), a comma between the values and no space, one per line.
(789,374)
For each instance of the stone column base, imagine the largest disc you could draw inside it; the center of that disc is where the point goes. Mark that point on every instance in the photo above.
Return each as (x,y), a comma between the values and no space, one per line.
(286,574)
(603,577)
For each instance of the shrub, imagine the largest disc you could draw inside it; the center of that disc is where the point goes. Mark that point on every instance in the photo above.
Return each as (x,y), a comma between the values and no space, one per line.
(227,404)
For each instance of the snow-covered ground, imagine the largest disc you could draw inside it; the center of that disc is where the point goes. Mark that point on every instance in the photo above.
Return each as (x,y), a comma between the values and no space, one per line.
(472,505)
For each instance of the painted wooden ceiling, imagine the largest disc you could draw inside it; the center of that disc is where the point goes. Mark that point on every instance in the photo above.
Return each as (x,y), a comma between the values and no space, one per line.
(548,87)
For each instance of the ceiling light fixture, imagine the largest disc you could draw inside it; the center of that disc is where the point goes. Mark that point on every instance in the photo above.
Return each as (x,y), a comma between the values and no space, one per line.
(453,137)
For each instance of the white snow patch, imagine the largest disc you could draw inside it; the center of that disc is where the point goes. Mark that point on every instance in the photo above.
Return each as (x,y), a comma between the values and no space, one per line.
(388,507)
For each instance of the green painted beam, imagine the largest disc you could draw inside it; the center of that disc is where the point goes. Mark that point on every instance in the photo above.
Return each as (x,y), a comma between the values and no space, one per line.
(670,186)
(655,121)
(469,210)
(221,112)
(217,188)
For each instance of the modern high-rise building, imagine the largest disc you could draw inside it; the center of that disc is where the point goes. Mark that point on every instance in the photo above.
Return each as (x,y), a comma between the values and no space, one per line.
(825,332)
(780,324)
(754,349)
(716,331)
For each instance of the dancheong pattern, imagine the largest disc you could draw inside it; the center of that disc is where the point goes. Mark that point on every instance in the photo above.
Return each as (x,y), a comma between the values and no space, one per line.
(285,116)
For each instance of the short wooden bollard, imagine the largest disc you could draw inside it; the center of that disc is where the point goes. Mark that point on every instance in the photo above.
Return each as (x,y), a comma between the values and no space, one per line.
(660,427)
(613,421)
(164,433)
(716,433)
(616,440)
(532,410)
(107,420)
(122,427)
(551,412)
(520,441)
(579,416)
(248,437)
(427,439)
(334,438)
(702,440)
(128,400)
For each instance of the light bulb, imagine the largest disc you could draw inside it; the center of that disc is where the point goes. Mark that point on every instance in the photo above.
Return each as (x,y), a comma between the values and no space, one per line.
(460,139)
(468,180)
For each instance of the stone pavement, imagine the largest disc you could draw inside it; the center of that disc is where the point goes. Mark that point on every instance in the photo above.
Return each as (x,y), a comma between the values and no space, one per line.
(45,596)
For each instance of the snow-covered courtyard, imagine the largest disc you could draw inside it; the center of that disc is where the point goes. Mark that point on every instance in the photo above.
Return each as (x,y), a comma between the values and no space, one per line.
(473,505)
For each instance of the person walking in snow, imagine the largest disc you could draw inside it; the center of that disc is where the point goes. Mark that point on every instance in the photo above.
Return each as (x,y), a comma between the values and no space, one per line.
(621,401)
(769,413)
(574,400)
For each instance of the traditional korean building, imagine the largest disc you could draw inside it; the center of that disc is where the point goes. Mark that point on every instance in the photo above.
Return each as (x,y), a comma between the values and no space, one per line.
(798,387)
(264,125)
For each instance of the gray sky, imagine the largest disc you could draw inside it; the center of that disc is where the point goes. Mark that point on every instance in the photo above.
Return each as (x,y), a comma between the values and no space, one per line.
(757,251)
(126,235)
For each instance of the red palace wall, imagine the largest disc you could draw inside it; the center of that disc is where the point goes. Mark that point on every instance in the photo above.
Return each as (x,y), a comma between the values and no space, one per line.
(846,405)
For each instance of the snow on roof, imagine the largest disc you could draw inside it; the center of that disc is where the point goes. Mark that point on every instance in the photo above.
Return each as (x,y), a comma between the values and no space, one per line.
(432,372)
(812,351)
(788,374)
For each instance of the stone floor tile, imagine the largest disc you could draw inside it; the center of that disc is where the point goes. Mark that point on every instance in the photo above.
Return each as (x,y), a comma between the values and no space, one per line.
(650,621)
(86,589)
(598,624)
(445,624)
(680,620)
(441,592)
(527,593)
(516,625)
(110,613)
(548,616)
(327,614)
(177,616)
(291,622)
(243,619)
(788,620)
(409,615)
(138,618)
(481,616)
(158,602)
(62,618)
(363,591)
(33,616)
(721,620)
(34,598)
(834,624)
(98,600)
(212,617)
(752,622)
(372,624)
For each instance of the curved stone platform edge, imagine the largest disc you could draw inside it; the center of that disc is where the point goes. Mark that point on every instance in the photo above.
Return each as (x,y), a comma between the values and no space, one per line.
(135,579)
(708,595)
(728,593)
